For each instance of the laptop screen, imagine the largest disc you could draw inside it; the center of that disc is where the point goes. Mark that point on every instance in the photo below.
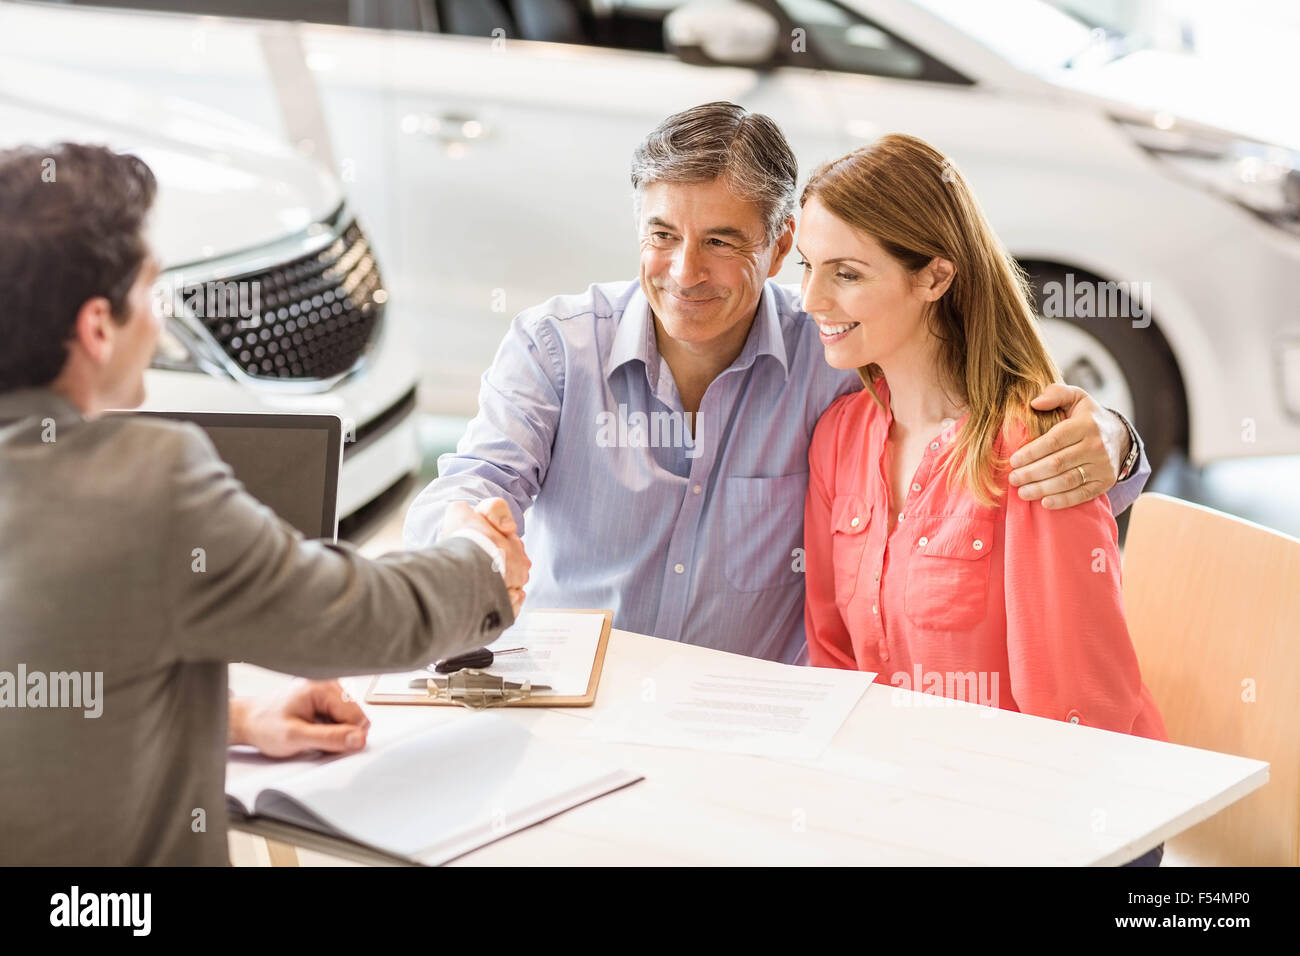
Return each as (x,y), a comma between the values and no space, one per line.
(290,463)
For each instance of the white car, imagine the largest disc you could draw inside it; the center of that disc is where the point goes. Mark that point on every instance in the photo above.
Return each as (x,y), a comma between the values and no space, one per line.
(306,330)
(493,164)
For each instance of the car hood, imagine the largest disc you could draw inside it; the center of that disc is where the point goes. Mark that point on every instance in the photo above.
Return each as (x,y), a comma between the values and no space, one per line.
(224,185)
(1193,88)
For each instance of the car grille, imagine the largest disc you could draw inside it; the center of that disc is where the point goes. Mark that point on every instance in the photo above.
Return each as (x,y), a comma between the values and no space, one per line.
(308,318)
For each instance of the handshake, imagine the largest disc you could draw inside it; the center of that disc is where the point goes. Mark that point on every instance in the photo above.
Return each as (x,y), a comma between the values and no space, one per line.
(492,519)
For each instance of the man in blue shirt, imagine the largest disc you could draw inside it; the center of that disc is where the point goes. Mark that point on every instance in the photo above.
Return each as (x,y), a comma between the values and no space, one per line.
(660,427)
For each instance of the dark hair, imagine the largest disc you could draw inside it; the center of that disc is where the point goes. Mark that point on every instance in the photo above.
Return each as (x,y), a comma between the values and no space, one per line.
(706,142)
(71,229)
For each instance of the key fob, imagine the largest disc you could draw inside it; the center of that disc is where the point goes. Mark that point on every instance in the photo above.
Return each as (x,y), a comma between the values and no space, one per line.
(477,659)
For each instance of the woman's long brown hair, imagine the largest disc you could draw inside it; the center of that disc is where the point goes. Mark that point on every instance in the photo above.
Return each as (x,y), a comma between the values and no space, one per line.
(916,204)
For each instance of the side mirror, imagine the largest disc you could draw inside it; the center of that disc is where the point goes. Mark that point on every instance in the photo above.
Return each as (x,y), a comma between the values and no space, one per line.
(722,33)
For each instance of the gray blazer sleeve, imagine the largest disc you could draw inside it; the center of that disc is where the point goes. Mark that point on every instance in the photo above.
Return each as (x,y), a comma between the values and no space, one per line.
(242,585)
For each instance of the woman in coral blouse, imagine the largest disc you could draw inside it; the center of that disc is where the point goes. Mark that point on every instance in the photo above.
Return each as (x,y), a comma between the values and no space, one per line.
(923,564)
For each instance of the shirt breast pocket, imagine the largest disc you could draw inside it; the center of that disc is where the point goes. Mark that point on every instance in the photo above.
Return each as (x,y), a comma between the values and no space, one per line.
(948,574)
(850,516)
(764,523)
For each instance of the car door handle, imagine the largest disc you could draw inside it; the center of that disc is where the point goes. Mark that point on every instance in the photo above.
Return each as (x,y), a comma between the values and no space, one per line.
(446,128)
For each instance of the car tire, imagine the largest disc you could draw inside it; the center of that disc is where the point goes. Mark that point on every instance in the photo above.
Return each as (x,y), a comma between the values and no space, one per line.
(1125,364)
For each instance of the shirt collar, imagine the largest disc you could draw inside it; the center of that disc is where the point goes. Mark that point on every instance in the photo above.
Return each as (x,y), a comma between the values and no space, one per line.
(635,338)
(765,337)
(42,402)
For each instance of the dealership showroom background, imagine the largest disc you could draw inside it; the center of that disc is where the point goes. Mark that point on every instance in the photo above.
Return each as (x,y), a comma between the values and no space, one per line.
(460,161)
(477,177)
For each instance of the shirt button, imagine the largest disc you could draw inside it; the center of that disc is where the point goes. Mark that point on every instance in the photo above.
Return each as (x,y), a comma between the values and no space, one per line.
(934,445)
(877,575)
(900,516)
(873,609)
(1072,716)
(978,545)
(697,489)
(923,542)
(855,522)
(915,486)
(1074,719)
(678,568)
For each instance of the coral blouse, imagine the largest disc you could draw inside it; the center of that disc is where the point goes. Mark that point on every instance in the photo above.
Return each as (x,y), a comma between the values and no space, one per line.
(1015,606)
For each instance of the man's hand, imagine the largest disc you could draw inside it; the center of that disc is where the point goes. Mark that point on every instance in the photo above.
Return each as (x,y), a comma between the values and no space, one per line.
(492,518)
(290,721)
(1078,459)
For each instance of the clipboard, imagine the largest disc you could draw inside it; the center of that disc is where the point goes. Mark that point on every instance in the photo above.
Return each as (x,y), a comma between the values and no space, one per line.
(539,700)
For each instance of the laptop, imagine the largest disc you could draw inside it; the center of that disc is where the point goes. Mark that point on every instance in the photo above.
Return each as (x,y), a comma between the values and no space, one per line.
(290,463)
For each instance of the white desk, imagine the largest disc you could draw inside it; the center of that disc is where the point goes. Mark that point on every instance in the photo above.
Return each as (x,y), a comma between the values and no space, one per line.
(909,779)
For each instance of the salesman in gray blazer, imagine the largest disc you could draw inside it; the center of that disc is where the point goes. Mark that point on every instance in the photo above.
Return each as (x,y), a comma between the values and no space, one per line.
(114,637)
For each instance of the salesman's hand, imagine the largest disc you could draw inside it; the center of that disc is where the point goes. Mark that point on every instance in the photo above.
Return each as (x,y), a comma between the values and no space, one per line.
(497,512)
(1078,459)
(285,723)
(492,517)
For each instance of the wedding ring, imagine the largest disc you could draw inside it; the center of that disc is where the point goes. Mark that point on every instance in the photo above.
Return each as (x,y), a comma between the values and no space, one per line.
(1083,479)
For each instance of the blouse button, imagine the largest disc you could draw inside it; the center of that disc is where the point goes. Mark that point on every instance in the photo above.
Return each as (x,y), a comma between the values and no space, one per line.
(1074,719)
(873,609)
(678,569)
(978,544)
(934,445)
(915,486)
(855,522)
(923,542)
(1072,716)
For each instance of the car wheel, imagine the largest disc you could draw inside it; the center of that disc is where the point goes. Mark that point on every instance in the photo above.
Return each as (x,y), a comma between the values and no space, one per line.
(1119,357)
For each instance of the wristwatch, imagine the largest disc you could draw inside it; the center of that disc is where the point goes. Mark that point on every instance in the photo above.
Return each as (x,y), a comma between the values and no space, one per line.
(1134,450)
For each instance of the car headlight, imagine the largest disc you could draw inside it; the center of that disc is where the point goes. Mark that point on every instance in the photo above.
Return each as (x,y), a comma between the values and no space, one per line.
(1260,177)
(173,353)
(178,349)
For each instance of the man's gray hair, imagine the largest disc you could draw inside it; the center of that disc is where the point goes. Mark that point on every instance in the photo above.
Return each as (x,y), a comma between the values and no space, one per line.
(705,142)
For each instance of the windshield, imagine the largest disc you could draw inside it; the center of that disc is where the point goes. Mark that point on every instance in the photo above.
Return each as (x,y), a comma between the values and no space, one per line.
(1033,34)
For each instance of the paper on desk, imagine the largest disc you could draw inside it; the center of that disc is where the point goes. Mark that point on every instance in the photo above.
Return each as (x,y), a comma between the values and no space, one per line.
(561,652)
(743,706)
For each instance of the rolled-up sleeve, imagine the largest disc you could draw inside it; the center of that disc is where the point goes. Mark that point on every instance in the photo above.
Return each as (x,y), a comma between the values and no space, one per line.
(506,450)
(1069,651)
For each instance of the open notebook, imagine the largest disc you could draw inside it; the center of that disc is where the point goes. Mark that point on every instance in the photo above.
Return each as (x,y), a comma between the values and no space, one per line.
(430,794)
